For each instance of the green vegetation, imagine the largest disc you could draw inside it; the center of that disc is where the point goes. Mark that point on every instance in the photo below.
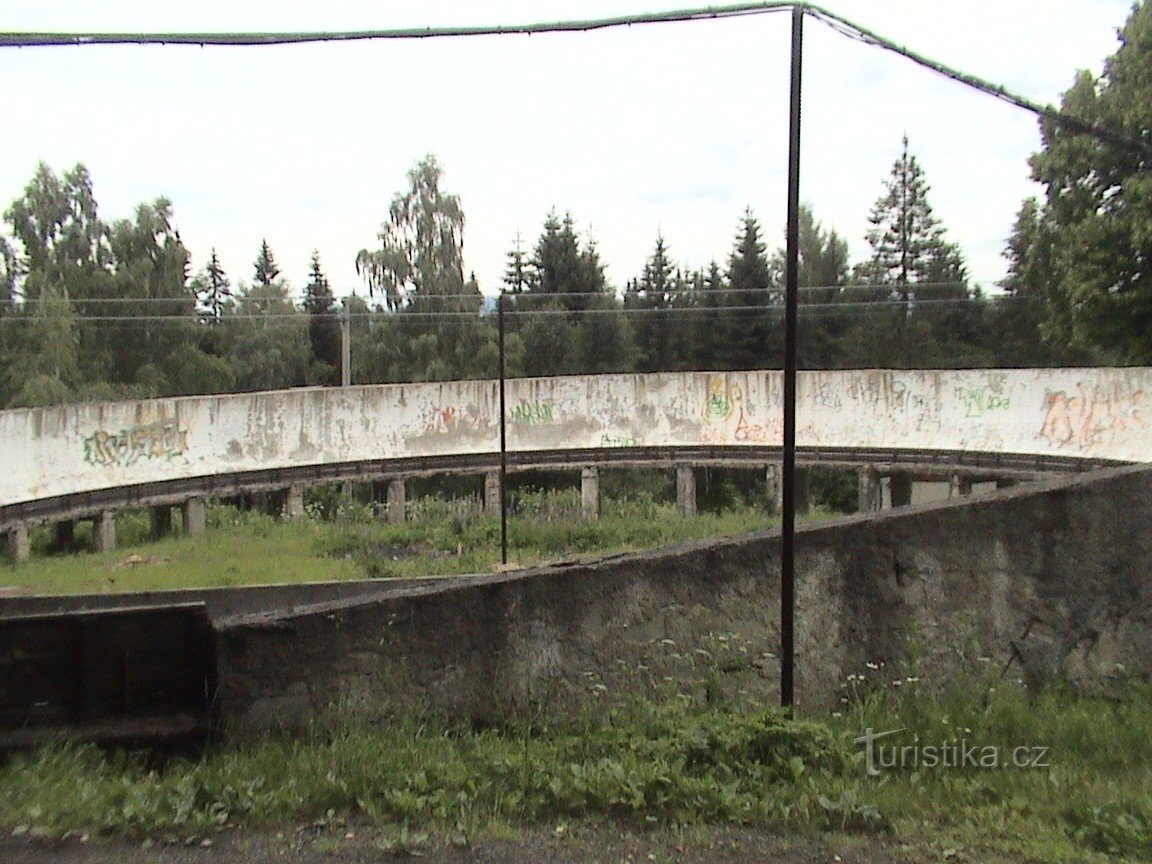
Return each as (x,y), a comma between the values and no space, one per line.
(346,539)
(99,309)
(668,765)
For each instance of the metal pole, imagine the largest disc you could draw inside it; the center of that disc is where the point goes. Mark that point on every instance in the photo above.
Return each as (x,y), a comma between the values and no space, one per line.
(503,436)
(788,472)
(345,346)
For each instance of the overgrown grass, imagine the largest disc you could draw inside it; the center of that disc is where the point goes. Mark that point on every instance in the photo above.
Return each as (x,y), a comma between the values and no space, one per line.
(665,765)
(344,539)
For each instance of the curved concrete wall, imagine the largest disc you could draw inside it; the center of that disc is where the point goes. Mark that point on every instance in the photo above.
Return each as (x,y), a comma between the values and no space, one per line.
(1091,413)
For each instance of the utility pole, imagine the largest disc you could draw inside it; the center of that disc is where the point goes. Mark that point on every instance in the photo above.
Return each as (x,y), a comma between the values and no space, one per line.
(345,346)
(791,291)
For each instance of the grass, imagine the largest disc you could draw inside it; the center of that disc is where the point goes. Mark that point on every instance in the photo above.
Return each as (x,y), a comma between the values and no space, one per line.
(442,538)
(661,765)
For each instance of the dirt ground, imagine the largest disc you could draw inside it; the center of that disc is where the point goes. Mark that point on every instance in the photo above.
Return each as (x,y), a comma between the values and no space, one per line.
(603,844)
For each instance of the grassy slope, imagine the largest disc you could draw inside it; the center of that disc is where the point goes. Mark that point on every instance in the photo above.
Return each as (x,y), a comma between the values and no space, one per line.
(251,549)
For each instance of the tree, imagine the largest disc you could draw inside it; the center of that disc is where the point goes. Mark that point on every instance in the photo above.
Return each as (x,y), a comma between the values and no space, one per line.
(823,271)
(516,273)
(148,349)
(45,369)
(1089,238)
(421,243)
(649,296)
(213,291)
(323,326)
(438,330)
(265,266)
(756,340)
(63,240)
(568,318)
(913,262)
(9,272)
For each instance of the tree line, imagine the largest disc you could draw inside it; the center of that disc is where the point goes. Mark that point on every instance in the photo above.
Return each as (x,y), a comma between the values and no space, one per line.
(101,310)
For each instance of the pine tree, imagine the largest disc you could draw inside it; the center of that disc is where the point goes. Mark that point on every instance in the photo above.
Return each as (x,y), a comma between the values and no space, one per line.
(517,272)
(911,262)
(323,326)
(653,291)
(823,261)
(213,290)
(757,331)
(265,267)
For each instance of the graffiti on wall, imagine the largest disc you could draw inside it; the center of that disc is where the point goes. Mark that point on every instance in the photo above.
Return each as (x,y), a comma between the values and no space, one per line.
(163,439)
(617,440)
(978,401)
(728,418)
(718,402)
(438,420)
(1091,416)
(533,413)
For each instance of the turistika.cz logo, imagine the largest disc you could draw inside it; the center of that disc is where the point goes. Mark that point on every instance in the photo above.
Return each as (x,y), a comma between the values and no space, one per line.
(881,755)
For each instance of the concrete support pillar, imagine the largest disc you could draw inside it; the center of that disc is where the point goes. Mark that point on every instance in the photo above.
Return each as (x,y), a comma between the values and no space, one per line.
(195,513)
(774,488)
(19,546)
(64,535)
(686,490)
(492,493)
(590,493)
(900,489)
(802,499)
(346,489)
(960,486)
(396,500)
(870,494)
(104,531)
(293,503)
(161,521)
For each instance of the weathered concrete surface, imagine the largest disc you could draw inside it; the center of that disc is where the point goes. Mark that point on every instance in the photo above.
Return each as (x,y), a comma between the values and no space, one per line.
(1049,581)
(219,602)
(62,450)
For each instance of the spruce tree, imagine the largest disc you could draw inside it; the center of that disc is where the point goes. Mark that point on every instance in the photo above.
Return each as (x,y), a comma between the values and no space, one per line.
(757,331)
(213,290)
(911,263)
(323,325)
(265,267)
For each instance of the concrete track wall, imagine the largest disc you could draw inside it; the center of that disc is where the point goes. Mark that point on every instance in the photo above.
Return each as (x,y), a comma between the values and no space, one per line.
(1091,413)
(1051,581)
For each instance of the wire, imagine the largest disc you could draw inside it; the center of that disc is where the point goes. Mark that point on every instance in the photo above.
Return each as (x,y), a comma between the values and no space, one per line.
(854,31)
(835,22)
(401,316)
(541,295)
(40,40)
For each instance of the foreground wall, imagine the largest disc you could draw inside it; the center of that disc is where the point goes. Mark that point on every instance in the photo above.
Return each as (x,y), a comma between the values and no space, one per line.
(1052,581)
(1097,413)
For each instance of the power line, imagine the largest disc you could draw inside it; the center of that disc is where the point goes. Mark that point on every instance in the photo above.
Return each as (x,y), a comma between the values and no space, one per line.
(405,315)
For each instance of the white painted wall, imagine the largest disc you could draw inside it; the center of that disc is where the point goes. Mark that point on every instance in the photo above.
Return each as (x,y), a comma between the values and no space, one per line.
(1100,413)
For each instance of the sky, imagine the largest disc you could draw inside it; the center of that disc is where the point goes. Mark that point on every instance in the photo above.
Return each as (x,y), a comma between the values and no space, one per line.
(671,128)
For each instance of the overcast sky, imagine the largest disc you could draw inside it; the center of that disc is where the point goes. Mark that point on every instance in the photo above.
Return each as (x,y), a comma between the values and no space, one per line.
(671,127)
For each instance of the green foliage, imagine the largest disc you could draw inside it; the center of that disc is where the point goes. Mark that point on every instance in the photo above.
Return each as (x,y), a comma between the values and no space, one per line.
(659,763)
(1081,254)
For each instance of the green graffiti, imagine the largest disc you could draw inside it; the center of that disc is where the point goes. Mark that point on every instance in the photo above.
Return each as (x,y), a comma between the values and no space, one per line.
(532,413)
(163,439)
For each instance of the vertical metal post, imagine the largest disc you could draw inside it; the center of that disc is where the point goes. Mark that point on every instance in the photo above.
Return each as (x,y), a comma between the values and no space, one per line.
(345,346)
(503,436)
(788,472)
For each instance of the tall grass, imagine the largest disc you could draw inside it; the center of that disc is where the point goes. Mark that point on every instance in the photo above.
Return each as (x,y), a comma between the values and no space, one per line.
(671,764)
